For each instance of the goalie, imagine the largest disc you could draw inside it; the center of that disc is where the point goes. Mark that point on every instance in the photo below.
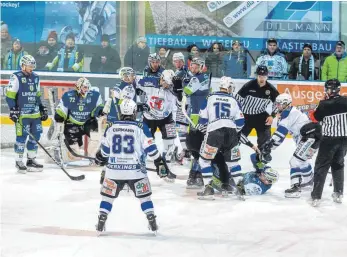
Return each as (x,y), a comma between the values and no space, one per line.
(75,115)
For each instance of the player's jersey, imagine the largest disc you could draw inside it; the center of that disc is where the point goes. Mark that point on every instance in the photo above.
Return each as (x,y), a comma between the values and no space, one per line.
(197,89)
(290,121)
(253,185)
(23,91)
(221,110)
(148,73)
(127,90)
(182,73)
(162,102)
(78,109)
(126,144)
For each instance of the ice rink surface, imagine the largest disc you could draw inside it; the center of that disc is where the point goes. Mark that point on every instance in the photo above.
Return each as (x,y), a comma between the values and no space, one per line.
(47,215)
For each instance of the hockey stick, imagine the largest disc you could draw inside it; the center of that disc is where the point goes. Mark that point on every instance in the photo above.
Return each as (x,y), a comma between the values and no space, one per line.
(80,177)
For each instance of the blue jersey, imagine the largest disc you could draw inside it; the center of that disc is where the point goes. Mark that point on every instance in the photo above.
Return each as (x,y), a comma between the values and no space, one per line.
(253,185)
(182,73)
(148,73)
(23,92)
(78,109)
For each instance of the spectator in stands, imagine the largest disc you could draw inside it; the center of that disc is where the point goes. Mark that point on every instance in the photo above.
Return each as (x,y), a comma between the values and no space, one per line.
(274,60)
(214,59)
(106,59)
(335,65)
(164,58)
(137,55)
(194,51)
(42,56)
(305,67)
(12,58)
(52,42)
(69,59)
(236,62)
(6,41)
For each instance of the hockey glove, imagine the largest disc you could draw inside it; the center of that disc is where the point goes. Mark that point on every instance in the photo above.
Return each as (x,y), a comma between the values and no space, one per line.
(90,125)
(14,114)
(266,148)
(99,159)
(201,127)
(161,166)
(177,84)
(143,108)
(43,112)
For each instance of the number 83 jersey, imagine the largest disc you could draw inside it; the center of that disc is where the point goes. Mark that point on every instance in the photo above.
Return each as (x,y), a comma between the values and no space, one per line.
(126,144)
(221,110)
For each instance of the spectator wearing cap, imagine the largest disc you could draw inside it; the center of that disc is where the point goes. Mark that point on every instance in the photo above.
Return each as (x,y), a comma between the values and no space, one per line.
(214,59)
(52,43)
(42,56)
(236,62)
(137,55)
(335,65)
(194,51)
(305,67)
(12,58)
(274,60)
(6,41)
(106,59)
(69,58)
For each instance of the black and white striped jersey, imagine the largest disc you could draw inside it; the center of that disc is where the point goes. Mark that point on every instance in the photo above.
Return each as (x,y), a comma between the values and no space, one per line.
(332,113)
(255,99)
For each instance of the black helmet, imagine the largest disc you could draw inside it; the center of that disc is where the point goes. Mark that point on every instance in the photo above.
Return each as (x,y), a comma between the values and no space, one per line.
(262,70)
(332,87)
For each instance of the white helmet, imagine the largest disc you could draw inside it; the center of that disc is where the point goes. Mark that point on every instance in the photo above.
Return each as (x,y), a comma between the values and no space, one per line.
(178,56)
(285,100)
(128,107)
(226,83)
(271,175)
(126,72)
(167,76)
(27,60)
(82,82)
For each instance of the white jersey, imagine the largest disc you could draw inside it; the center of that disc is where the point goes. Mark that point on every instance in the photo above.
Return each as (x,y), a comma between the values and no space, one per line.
(290,121)
(221,110)
(126,144)
(162,102)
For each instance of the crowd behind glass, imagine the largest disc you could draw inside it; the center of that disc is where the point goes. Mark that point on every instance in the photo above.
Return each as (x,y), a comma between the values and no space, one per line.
(236,62)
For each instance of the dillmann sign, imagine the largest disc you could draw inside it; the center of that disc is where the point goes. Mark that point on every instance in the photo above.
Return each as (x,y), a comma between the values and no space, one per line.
(290,16)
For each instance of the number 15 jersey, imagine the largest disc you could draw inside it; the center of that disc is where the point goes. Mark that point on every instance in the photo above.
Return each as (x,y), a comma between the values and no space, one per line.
(221,110)
(126,144)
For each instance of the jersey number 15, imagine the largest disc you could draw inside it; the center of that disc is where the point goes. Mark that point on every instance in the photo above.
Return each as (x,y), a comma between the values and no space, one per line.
(222,109)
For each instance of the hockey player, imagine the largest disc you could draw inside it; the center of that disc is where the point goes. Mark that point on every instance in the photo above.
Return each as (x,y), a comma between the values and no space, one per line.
(23,97)
(161,101)
(128,82)
(76,112)
(222,119)
(179,63)
(123,148)
(307,137)
(153,69)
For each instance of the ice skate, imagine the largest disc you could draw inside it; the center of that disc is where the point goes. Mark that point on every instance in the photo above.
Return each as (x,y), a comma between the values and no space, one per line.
(21,168)
(195,180)
(337,197)
(100,227)
(170,177)
(208,193)
(294,192)
(152,223)
(315,202)
(32,165)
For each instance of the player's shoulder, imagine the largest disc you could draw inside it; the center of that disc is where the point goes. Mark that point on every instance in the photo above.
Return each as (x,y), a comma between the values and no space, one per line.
(34,74)
(18,74)
(70,93)
(93,94)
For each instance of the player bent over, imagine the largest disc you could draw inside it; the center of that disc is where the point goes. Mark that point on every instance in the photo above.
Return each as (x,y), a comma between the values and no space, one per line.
(123,148)
(23,97)
(307,136)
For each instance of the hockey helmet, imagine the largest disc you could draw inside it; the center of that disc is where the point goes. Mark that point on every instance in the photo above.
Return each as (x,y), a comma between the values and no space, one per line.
(82,83)
(127,74)
(271,175)
(167,76)
(128,109)
(178,56)
(198,61)
(262,70)
(27,60)
(283,101)
(332,87)
(227,83)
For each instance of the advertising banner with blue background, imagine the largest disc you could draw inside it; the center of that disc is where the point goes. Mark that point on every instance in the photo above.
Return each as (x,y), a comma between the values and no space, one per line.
(180,23)
(32,21)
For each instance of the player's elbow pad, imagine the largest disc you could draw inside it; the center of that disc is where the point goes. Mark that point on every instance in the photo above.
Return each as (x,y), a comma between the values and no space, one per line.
(58,118)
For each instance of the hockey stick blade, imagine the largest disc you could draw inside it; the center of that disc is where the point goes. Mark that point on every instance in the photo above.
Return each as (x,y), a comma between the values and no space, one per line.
(74,153)
(76,178)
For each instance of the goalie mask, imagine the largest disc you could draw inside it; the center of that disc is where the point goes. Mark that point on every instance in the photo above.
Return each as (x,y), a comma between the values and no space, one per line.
(127,74)
(154,61)
(197,65)
(283,101)
(166,78)
(226,83)
(27,63)
(83,86)
(128,109)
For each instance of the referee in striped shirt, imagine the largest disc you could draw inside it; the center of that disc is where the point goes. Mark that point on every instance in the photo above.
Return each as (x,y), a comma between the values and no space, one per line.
(257,97)
(332,113)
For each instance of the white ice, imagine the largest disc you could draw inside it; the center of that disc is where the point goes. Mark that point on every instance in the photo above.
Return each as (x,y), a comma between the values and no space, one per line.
(47,215)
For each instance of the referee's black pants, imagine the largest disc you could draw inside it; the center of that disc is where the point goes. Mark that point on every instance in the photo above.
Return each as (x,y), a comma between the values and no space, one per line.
(331,154)
(257,122)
